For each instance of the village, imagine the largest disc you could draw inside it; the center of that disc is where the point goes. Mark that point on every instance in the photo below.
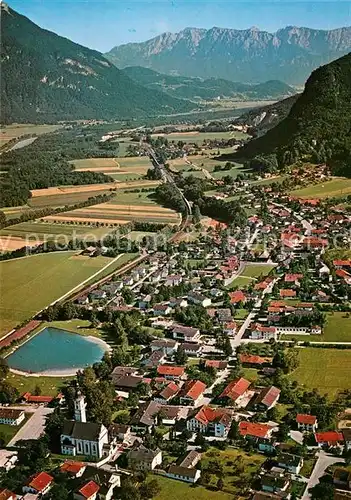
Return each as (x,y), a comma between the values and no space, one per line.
(208,313)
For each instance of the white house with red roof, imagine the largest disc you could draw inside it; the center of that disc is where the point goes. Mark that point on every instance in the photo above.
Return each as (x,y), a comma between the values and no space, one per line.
(306,423)
(261,332)
(255,430)
(191,392)
(211,421)
(329,438)
(235,390)
(39,484)
(88,491)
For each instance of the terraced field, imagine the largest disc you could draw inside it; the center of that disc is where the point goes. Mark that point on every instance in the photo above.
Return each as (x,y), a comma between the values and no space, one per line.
(115,213)
(120,169)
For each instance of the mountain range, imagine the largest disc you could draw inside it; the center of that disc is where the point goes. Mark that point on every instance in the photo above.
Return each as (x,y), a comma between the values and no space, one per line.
(318,126)
(45,77)
(249,55)
(208,89)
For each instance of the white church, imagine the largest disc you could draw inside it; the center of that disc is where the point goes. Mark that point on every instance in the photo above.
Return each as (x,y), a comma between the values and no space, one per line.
(80,437)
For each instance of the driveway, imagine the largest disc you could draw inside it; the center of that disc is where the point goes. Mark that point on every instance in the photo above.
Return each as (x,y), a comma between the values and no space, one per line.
(322,464)
(34,428)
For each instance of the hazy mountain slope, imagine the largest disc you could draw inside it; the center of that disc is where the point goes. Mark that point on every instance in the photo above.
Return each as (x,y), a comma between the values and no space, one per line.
(319,123)
(46,77)
(197,88)
(250,55)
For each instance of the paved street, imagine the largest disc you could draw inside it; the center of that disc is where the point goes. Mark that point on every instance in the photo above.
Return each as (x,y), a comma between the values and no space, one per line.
(322,464)
(34,427)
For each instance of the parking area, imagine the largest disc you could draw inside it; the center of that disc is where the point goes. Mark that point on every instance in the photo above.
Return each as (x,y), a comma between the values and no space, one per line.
(34,428)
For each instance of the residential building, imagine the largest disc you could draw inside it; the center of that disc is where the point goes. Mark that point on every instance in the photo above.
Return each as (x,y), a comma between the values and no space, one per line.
(211,421)
(10,416)
(255,430)
(171,372)
(342,477)
(260,332)
(237,297)
(7,494)
(306,423)
(73,468)
(235,390)
(290,462)
(142,458)
(152,413)
(346,432)
(38,484)
(267,398)
(215,363)
(192,349)
(185,333)
(274,482)
(329,438)
(88,491)
(120,432)
(198,299)
(188,475)
(167,393)
(8,460)
(161,310)
(168,346)
(191,392)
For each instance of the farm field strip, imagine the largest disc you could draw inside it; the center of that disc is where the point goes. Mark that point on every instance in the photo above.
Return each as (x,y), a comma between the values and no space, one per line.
(50,275)
(335,187)
(10,132)
(63,190)
(116,208)
(199,137)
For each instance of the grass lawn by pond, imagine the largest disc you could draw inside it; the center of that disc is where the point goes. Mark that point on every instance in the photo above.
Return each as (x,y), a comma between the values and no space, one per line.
(7,432)
(50,386)
(337,329)
(172,489)
(327,370)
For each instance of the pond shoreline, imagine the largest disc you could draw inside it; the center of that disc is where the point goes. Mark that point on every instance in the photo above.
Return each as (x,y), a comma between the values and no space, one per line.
(57,372)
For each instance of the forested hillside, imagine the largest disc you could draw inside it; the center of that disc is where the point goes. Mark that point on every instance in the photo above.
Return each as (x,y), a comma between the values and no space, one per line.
(212,88)
(318,127)
(46,78)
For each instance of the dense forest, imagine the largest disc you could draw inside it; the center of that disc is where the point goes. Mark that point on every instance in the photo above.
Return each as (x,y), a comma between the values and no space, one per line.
(45,163)
(318,127)
(47,78)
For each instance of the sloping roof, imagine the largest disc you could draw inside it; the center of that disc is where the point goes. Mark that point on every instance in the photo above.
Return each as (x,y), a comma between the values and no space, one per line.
(169,391)
(143,454)
(237,296)
(329,437)
(10,413)
(207,414)
(182,471)
(40,481)
(235,389)
(89,489)
(72,467)
(215,363)
(89,431)
(6,494)
(192,389)
(254,360)
(175,371)
(302,418)
(254,429)
(267,396)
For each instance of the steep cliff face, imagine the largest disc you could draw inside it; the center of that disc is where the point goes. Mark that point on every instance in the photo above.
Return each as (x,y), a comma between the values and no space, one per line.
(250,55)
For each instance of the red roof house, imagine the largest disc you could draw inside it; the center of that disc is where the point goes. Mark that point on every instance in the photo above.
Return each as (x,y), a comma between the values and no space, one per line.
(39,483)
(287,292)
(303,418)
(88,491)
(170,371)
(73,468)
(237,296)
(255,430)
(7,494)
(329,438)
(267,398)
(235,389)
(191,391)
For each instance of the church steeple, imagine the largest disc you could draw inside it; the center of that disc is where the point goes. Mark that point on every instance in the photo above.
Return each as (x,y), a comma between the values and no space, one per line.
(79,408)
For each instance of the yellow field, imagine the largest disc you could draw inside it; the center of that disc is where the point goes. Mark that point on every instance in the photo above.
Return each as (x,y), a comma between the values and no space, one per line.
(66,190)
(17,130)
(340,186)
(116,213)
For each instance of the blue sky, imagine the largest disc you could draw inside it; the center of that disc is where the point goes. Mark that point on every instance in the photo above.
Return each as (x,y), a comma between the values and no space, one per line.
(102,24)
